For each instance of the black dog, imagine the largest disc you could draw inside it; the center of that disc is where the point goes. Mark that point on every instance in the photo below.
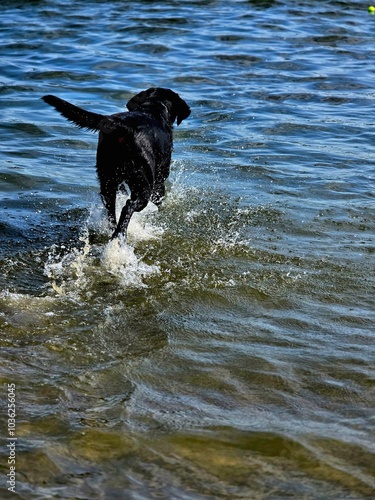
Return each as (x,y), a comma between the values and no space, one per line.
(134,147)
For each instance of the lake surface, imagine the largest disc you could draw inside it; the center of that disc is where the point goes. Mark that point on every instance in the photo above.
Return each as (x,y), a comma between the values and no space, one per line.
(227,349)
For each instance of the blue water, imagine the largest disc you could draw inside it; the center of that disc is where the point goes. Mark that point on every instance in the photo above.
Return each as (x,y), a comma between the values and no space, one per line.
(227,350)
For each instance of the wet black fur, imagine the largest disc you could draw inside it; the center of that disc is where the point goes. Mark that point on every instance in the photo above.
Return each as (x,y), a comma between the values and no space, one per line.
(134,147)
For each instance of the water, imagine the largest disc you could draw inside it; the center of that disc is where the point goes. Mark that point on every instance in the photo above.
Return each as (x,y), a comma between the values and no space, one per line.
(227,349)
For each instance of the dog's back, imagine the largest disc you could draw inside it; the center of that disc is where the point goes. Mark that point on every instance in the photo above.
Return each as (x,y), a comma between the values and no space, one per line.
(133,148)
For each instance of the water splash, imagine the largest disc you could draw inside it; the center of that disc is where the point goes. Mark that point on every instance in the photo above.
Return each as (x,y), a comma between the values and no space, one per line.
(78,267)
(120,260)
(141,226)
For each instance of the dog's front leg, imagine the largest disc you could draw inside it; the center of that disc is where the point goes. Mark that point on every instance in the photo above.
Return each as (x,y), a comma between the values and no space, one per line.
(158,194)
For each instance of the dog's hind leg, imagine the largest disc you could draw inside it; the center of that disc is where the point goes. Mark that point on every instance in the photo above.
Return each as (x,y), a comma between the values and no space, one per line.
(108,193)
(132,205)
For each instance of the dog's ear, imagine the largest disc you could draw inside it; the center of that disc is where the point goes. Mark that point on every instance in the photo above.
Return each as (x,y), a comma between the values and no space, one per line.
(138,99)
(182,110)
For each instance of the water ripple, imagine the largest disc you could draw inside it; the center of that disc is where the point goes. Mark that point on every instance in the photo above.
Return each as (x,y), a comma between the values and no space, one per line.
(226,350)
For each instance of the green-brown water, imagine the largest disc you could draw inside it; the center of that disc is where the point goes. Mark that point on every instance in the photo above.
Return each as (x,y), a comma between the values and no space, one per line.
(227,350)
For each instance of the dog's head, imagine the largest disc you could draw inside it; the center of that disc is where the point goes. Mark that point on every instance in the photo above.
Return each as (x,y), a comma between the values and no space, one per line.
(177,107)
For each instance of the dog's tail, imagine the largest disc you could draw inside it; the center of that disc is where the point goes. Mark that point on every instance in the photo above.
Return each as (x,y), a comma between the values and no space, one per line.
(81,117)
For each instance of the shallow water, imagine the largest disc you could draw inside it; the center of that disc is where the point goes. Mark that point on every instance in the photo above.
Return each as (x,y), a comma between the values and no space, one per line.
(227,349)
